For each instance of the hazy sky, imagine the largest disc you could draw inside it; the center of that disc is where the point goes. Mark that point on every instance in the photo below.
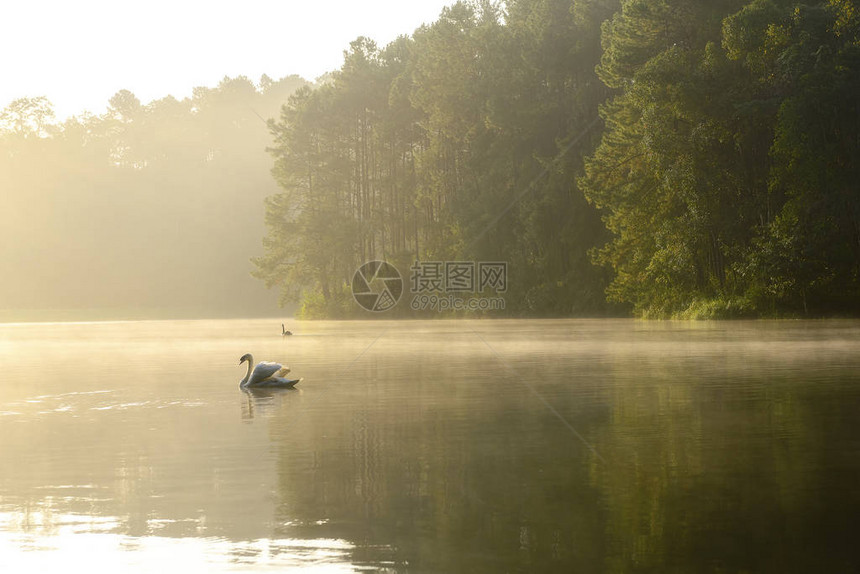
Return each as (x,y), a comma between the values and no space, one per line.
(80,53)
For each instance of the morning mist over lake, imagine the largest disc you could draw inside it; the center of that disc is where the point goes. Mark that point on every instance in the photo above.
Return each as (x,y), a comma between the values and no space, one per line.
(515,286)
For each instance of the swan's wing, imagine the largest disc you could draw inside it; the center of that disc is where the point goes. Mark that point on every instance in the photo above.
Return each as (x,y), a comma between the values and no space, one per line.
(263,371)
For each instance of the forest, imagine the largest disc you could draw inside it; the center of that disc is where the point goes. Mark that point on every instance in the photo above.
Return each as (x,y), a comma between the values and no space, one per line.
(665,158)
(654,158)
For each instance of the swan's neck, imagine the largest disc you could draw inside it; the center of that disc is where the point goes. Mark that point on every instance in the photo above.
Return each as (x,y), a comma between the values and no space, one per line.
(283,329)
(244,381)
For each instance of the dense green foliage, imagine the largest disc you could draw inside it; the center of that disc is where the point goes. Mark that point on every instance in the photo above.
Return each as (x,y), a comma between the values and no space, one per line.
(721,182)
(149,210)
(462,142)
(728,168)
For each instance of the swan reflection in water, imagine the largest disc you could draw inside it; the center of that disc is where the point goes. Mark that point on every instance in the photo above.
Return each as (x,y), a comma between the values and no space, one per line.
(262,401)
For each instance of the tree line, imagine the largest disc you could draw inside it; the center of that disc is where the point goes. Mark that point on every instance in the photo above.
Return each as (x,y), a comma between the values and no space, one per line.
(669,158)
(147,210)
(665,158)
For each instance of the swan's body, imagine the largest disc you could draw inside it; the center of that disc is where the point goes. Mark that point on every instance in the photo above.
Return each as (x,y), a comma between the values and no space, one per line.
(284,331)
(265,375)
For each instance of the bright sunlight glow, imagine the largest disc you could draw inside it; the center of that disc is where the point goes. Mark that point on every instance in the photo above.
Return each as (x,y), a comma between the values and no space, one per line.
(79,54)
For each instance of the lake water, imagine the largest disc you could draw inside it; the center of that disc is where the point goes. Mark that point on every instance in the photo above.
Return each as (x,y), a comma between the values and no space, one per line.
(461,446)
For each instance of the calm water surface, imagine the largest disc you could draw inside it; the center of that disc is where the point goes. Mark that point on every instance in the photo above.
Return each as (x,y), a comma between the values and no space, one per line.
(484,446)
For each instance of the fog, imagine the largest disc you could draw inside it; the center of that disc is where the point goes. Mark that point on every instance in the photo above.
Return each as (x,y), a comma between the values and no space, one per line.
(152,210)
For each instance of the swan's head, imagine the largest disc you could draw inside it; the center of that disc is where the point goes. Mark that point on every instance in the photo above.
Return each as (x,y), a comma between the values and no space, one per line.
(245,357)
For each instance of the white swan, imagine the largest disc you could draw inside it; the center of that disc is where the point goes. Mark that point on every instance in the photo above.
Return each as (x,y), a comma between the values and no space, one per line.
(265,374)
(284,331)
